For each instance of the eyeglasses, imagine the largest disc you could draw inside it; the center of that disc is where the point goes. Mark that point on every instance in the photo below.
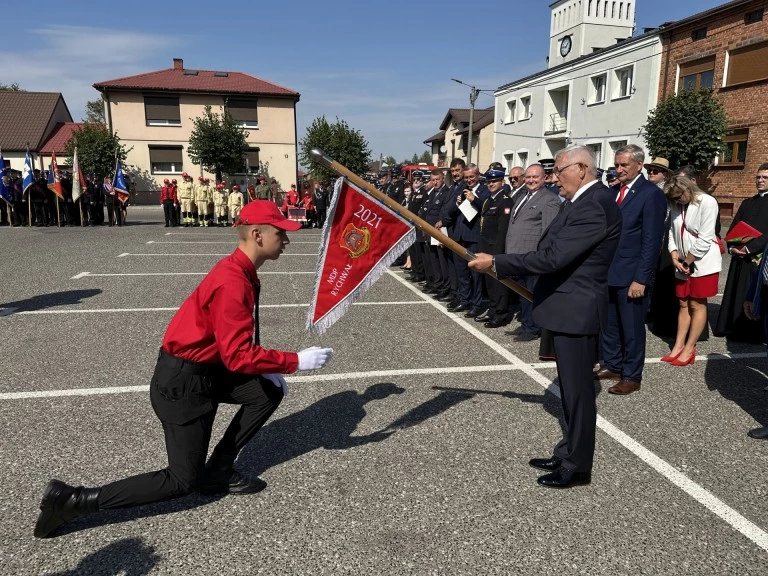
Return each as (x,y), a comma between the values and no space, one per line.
(654,171)
(557,171)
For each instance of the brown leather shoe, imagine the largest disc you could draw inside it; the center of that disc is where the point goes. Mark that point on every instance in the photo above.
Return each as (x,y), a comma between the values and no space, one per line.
(605,374)
(624,387)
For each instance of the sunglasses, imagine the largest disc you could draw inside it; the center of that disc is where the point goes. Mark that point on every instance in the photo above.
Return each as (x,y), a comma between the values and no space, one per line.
(655,171)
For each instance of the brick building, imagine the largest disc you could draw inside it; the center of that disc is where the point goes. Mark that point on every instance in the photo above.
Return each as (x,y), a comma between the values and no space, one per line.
(725,48)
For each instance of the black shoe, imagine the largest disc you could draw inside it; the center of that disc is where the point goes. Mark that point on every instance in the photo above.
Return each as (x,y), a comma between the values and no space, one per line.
(495,323)
(526,337)
(230,481)
(759,433)
(550,464)
(563,478)
(445,297)
(474,313)
(452,305)
(459,308)
(167,225)
(483,317)
(62,503)
(514,331)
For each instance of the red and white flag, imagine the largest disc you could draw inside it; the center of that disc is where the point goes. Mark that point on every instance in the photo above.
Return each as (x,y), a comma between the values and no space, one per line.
(361,238)
(78,180)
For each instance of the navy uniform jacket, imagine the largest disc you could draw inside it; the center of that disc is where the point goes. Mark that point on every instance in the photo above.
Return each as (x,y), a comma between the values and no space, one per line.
(643,211)
(435,203)
(572,262)
(494,221)
(415,202)
(464,231)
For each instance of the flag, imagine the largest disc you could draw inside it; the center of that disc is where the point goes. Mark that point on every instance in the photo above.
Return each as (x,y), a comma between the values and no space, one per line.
(5,184)
(78,180)
(121,188)
(27,173)
(361,238)
(54,180)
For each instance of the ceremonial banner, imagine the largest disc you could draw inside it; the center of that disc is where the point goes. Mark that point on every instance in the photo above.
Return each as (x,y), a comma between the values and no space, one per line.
(121,188)
(54,181)
(360,240)
(5,183)
(78,181)
(27,173)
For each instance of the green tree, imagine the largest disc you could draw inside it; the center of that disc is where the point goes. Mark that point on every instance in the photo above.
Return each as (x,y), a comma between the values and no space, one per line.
(342,143)
(12,87)
(94,111)
(96,150)
(687,128)
(218,143)
(426,157)
(390,161)
(414,159)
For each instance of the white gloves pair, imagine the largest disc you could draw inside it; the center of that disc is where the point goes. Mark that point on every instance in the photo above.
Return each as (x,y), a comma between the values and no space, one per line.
(314,357)
(309,359)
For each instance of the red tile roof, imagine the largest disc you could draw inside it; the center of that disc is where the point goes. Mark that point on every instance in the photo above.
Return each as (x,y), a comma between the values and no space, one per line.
(25,117)
(207,81)
(59,137)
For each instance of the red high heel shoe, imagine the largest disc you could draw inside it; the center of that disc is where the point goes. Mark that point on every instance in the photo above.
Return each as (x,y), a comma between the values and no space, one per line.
(688,362)
(669,357)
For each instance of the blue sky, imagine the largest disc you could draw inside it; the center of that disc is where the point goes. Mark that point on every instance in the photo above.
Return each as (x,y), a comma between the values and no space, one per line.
(386,70)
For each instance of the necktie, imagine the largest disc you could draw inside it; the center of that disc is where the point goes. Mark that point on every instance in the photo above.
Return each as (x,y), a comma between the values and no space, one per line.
(522,203)
(622,192)
(565,205)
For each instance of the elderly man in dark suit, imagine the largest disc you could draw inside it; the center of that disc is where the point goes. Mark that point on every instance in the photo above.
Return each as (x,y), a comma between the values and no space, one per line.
(535,209)
(571,300)
(643,209)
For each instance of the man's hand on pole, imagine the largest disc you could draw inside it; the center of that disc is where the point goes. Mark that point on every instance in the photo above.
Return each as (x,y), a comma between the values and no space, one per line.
(482,262)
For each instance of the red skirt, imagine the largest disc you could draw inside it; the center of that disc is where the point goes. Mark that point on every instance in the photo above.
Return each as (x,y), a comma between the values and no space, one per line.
(697,287)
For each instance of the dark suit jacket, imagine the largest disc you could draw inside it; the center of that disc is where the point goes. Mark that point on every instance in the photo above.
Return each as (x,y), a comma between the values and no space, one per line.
(494,220)
(464,231)
(434,204)
(572,262)
(643,212)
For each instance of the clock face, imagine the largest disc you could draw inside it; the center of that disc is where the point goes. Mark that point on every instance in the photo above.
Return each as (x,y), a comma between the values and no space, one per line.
(565,46)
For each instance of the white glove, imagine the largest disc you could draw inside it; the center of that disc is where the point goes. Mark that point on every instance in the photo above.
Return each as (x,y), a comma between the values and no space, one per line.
(279,381)
(314,357)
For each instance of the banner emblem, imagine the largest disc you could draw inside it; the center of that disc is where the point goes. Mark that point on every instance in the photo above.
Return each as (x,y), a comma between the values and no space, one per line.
(356,240)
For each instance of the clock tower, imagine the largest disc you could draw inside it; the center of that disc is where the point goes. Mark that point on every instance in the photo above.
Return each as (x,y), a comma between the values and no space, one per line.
(580,27)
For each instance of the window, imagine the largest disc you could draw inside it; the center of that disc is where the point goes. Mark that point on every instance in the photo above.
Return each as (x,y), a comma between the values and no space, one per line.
(748,64)
(511,111)
(250,161)
(523,159)
(623,87)
(509,159)
(243,111)
(697,74)
(735,148)
(615,145)
(753,17)
(699,34)
(597,149)
(162,111)
(165,159)
(598,89)
(525,108)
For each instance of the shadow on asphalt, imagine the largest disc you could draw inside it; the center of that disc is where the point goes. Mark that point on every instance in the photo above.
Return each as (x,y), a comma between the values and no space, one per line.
(131,557)
(43,301)
(743,382)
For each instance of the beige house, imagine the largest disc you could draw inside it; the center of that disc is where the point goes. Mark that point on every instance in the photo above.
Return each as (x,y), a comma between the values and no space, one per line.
(153,114)
(452,140)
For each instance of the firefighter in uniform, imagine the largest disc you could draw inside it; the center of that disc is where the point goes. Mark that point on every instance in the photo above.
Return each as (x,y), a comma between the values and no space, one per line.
(220,205)
(210,355)
(201,201)
(235,202)
(166,201)
(262,190)
(209,214)
(195,207)
(186,198)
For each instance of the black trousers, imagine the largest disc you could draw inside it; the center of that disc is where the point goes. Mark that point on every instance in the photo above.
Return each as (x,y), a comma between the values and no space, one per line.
(169,211)
(498,297)
(180,390)
(576,357)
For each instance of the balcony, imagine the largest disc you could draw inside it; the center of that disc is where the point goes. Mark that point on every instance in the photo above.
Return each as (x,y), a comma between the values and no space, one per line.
(557,124)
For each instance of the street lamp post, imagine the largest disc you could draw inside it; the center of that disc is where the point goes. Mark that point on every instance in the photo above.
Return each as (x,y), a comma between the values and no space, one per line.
(473,92)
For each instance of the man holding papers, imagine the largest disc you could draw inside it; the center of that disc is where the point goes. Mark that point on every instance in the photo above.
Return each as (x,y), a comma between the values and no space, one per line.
(746,241)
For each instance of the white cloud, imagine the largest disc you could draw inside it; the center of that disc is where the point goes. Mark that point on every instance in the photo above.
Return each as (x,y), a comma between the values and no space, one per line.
(69,59)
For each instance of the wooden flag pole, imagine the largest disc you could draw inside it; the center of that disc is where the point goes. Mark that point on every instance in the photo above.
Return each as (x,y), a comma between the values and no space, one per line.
(58,212)
(80,204)
(321,158)
(29,205)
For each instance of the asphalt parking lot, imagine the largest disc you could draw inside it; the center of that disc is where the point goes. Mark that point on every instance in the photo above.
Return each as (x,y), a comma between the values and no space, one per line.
(406,455)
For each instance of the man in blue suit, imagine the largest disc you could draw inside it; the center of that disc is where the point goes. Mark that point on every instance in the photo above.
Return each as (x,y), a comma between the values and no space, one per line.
(571,301)
(643,210)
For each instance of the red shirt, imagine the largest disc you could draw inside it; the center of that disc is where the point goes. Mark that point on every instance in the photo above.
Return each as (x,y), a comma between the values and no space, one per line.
(307,201)
(166,193)
(219,323)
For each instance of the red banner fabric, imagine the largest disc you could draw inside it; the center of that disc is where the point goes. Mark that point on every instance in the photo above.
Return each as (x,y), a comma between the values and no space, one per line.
(361,238)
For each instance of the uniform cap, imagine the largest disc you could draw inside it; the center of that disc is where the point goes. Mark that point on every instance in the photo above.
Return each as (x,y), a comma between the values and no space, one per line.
(166,181)
(265,212)
(611,174)
(184,174)
(418,174)
(173,181)
(548,165)
(200,178)
(236,187)
(492,175)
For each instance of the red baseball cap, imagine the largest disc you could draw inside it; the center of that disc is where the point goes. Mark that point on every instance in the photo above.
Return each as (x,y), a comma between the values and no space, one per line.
(265,212)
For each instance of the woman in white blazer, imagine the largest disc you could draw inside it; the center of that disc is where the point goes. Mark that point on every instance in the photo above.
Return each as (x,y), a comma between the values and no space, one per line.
(695,251)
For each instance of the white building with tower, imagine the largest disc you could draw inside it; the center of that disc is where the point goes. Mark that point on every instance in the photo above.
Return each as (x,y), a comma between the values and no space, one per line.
(600,84)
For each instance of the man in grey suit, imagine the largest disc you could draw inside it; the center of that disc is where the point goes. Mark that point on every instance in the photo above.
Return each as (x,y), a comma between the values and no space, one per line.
(532,214)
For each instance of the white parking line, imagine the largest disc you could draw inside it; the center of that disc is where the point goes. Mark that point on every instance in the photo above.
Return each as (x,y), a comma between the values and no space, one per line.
(217,242)
(12,311)
(93,274)
(125,254)
(320,377)
(749,529)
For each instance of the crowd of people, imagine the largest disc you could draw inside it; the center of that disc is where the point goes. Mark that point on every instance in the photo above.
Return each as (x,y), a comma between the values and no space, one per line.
(666,266)
(40,206)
